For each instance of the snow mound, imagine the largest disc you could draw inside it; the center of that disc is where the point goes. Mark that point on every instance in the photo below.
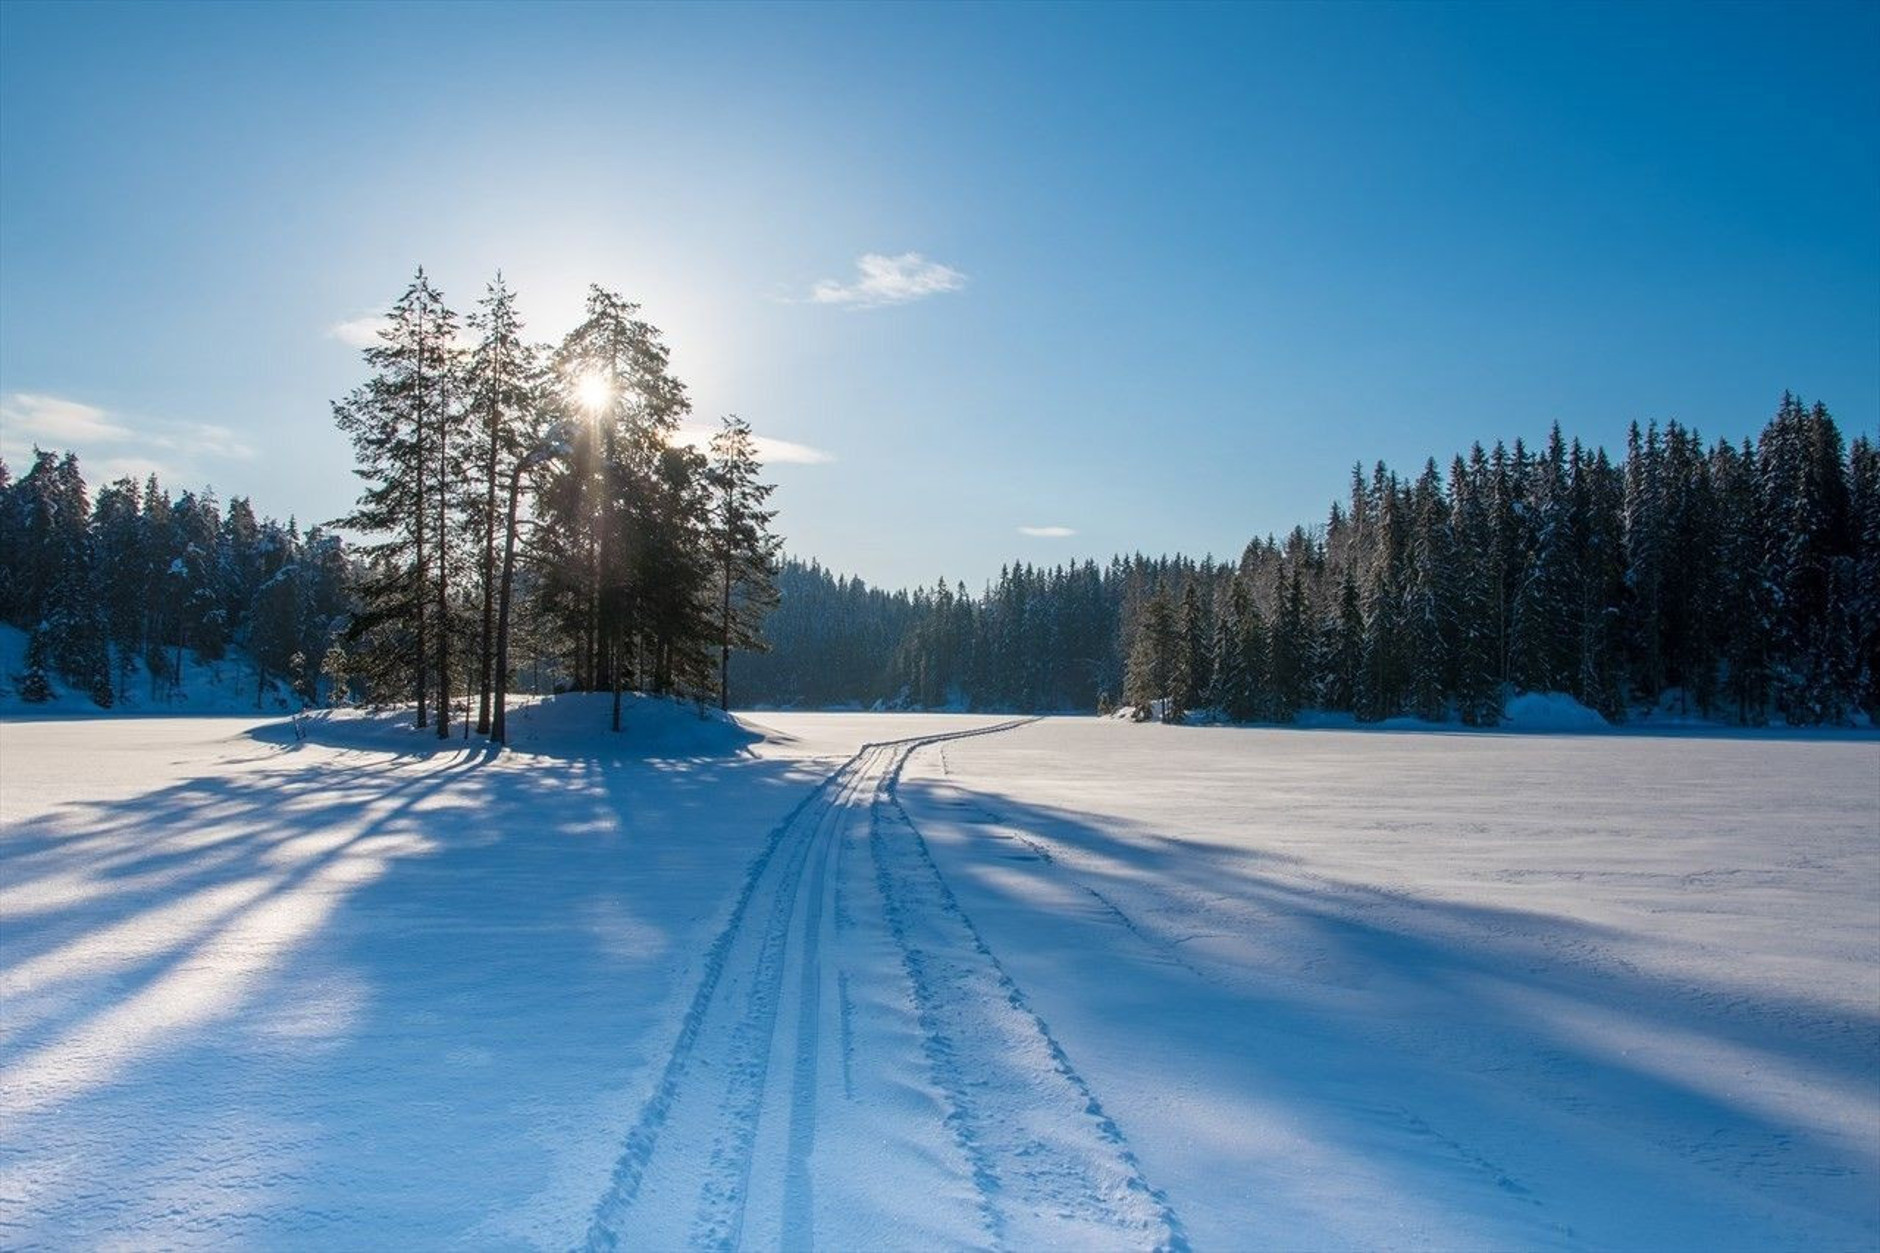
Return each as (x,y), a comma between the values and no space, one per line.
(224,686)
(573,725)
(1550,711)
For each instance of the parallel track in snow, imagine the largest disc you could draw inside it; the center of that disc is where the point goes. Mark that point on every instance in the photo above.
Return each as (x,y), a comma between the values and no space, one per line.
(765,1102)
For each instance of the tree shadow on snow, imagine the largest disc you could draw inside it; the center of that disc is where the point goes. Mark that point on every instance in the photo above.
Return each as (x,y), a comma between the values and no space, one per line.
(380,974)
(1507,1068)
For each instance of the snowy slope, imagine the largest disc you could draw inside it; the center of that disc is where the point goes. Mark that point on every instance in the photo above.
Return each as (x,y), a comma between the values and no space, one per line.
(226,686)
(1072,983)
(572,725)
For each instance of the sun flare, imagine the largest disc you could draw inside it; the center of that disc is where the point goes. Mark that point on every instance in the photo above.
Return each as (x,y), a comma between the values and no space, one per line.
(594,392)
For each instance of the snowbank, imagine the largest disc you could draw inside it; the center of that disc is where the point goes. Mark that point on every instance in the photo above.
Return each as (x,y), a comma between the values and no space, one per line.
(226,686)
(573,725)
(1550,711)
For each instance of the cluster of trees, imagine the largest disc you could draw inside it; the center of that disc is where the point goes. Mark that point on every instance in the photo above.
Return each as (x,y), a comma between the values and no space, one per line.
(1741,580)
(517,496)
(508,480)
(134,578)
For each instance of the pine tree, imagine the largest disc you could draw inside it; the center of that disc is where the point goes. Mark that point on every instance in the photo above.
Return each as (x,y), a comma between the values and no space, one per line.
(1193,658)
(1542,629)
(624,562)
(274,633)
(1864,503)
(1430,626)
(1804,491)
(1646,541)
(335,673)
(1153,661)
(119,542)
(1289,673)
(744,552)
(399,422)
(1477,668)
(33,685)
(502,388)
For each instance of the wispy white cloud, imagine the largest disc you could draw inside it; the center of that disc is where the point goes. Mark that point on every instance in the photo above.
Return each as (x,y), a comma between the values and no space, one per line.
(1047,532)
(205,438)
(360,332)
(55,420)
(113,445)
(363,332)
(769,451)
(111,469)
(883,280)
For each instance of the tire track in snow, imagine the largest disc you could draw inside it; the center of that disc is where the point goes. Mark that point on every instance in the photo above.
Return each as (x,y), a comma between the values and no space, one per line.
(720,1220)
(606,1228)
(736,1111)
(1039,1141)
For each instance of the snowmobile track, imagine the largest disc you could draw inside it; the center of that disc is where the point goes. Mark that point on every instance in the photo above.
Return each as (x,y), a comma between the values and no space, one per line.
(1082,1171)
(730,1129)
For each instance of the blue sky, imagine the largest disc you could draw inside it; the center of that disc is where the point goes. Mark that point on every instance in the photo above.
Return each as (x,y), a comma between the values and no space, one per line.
(1174,269)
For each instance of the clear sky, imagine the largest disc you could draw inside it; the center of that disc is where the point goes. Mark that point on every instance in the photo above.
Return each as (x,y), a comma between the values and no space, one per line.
(1154,276)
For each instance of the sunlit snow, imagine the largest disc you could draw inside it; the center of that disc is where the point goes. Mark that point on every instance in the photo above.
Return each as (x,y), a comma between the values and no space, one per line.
(1073,982)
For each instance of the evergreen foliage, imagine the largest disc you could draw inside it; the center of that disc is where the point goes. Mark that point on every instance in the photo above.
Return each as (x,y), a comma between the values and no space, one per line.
(513,497)
(1736,582)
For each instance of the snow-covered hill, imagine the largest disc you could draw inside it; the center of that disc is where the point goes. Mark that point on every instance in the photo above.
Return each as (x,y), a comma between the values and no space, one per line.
(575,724)
(225,686)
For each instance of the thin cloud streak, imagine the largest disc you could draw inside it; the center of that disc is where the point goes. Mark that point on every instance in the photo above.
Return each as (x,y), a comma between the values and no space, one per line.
(360,332)
(769,451)
(1047,532)
(57,420)
(111,443)
(883,280)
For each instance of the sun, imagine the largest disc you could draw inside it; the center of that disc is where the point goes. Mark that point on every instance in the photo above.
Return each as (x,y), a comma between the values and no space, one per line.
(594,392)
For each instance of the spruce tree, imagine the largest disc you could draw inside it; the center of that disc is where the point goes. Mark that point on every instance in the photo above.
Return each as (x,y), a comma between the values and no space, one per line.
(398,421)
(1193,657)
(744,552)
(501,389)
(1153,660)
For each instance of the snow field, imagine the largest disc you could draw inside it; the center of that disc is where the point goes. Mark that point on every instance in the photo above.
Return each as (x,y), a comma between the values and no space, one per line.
(327,996)
(934,981)
(857,1071)
(1364,990)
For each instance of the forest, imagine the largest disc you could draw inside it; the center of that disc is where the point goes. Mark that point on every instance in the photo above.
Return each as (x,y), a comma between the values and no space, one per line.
(528,501)
(515,496)
(1736,582)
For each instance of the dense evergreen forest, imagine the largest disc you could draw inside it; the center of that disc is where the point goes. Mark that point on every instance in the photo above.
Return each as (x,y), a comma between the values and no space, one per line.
(1734,581)
(121,586)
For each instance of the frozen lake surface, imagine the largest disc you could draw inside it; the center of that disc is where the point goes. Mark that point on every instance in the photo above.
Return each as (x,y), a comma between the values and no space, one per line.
(1068,982)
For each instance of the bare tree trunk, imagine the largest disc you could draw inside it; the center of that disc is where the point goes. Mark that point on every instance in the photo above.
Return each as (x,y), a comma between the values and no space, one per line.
(489,575)
(616,667)
(499,720)
(724,652)
(443,580)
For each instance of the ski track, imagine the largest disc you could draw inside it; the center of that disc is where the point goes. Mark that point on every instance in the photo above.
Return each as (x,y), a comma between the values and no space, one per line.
(724,1153)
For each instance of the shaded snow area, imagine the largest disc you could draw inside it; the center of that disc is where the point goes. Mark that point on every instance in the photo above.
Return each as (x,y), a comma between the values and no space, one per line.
(1368,990)
(224,686)
(933,981)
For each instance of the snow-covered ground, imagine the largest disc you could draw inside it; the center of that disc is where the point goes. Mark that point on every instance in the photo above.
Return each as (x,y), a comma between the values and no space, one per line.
(1070,982)
(226,685)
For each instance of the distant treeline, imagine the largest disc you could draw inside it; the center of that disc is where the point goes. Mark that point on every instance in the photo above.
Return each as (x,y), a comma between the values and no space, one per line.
(1742,580)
